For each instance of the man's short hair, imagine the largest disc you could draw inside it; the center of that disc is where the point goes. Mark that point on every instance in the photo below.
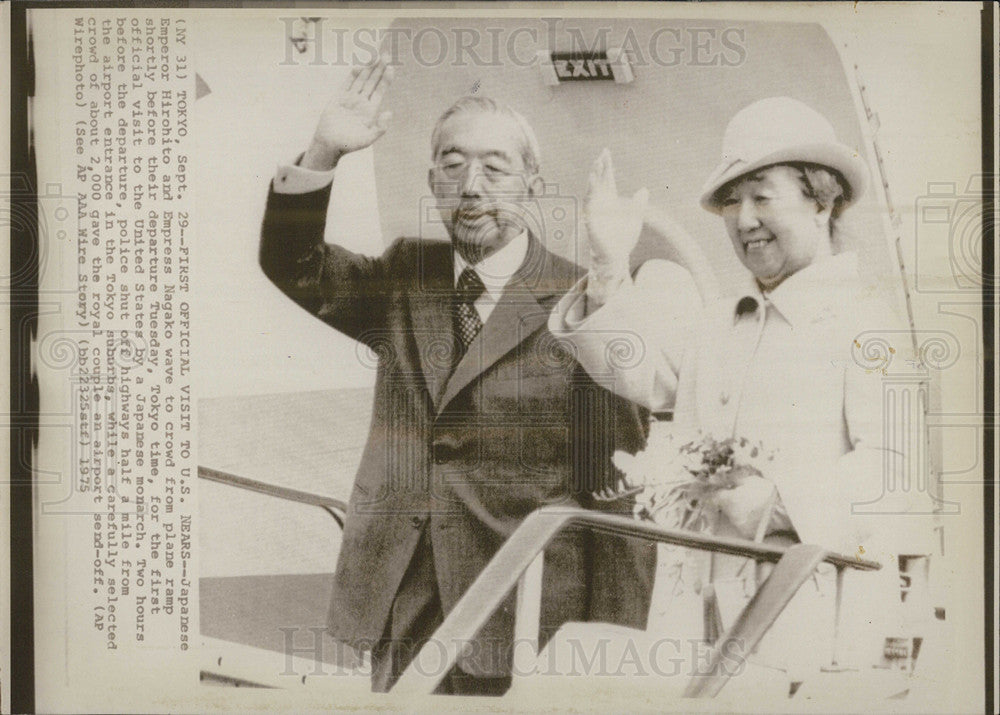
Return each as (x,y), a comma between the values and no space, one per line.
(531,154)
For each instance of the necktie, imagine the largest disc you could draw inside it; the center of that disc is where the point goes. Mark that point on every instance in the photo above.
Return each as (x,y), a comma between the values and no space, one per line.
(467,321)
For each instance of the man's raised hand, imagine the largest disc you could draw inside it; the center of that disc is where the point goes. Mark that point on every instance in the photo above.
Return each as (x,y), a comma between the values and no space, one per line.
(351,120)
(613,222)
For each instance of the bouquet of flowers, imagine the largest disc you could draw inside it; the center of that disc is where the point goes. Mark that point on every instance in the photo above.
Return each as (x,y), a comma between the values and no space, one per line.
(672,482)
(673,478)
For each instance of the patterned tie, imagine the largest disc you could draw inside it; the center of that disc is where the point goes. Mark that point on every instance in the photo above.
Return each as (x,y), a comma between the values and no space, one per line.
(467,321)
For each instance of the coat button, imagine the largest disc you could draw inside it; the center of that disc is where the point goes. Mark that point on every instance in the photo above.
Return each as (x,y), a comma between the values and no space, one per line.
(442,453)
(417,521)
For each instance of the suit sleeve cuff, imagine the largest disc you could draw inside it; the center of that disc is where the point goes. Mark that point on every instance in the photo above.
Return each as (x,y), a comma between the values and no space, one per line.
(293,179)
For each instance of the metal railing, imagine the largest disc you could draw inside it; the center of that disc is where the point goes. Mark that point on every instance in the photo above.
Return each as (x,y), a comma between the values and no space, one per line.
(520,560)
(234,662)
(334,507)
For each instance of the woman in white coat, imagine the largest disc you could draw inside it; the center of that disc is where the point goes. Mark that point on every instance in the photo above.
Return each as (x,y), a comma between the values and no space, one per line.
(777,363)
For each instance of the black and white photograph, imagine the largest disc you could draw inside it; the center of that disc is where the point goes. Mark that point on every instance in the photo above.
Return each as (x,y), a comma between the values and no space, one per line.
(546,357)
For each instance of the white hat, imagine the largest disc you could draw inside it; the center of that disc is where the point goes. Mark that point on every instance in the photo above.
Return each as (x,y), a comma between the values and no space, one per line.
(782,130)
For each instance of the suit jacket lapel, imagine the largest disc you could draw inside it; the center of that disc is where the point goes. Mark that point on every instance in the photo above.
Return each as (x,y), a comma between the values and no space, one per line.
(517,315)
(430,301)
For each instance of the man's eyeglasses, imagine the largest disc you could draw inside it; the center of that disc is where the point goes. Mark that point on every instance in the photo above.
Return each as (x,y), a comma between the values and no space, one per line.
(456,168)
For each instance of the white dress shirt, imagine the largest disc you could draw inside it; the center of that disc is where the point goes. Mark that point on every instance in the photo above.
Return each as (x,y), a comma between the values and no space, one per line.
(293,179)
(495,271)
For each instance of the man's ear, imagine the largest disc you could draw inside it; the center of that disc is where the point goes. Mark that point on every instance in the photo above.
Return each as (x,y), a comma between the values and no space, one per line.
(430,179)
(536,186)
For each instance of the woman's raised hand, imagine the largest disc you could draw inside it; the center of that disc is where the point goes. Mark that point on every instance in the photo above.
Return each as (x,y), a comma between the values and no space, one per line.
(613,222)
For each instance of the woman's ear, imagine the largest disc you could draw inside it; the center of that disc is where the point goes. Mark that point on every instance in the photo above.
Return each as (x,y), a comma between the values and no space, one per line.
(823,214)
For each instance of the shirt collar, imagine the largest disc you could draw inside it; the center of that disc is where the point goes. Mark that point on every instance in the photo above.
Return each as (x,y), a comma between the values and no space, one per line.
(809,294)
(496,270)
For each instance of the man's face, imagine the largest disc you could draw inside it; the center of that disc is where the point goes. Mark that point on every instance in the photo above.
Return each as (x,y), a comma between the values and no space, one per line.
(480,182)
(775,228)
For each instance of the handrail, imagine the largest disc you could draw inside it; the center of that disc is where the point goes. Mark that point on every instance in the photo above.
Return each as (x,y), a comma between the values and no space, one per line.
(334,507)
(529,541)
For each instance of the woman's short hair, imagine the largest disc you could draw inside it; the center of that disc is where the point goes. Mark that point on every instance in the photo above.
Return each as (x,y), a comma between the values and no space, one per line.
(827,188)
(530,152)
(823,185)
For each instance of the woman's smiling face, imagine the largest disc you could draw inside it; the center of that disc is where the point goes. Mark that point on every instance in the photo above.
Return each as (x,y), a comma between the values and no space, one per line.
(775,228)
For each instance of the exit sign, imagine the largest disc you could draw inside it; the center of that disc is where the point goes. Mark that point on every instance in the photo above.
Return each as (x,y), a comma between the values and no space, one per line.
(600,66)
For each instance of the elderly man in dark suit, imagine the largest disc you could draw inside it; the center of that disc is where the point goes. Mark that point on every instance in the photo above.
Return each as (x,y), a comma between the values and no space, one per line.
(480,416)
